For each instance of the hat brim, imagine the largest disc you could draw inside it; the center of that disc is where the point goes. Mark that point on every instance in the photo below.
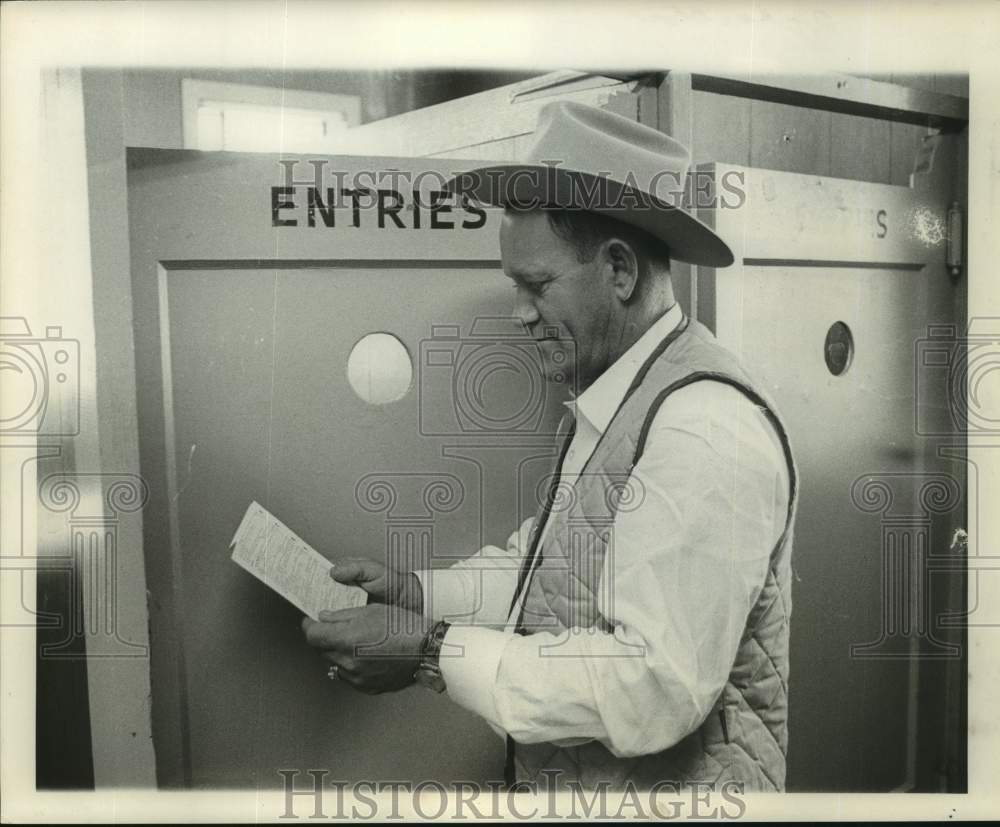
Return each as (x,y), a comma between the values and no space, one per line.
(533,186)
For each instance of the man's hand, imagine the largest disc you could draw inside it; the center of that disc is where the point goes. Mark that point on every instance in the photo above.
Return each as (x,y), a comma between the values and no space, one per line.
(376,648)
(383,584)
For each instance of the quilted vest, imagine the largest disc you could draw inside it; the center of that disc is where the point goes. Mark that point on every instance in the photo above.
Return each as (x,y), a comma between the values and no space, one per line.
(744,737)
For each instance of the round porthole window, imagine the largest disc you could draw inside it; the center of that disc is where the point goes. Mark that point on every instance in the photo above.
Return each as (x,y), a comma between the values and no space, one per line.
(379,368)
(838,350)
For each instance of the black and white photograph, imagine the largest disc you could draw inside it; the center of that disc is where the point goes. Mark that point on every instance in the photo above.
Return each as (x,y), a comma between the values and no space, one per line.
(498,412)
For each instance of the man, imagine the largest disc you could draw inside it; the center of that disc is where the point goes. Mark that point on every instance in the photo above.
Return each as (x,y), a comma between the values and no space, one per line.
(637,629)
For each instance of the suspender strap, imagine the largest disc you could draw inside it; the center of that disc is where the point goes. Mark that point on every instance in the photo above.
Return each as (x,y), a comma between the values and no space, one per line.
(543,516)
(526,566)
(528,563)
(757,400)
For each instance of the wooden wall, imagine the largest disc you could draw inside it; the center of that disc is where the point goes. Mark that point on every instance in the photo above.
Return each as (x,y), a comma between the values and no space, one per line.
(494,125)
(498,124)
(777,136)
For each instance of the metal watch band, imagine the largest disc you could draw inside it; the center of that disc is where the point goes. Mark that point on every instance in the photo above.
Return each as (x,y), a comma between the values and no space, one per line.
(430,649)
(429,671)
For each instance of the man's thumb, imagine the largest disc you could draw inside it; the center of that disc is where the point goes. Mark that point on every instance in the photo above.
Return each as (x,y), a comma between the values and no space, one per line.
(351,572)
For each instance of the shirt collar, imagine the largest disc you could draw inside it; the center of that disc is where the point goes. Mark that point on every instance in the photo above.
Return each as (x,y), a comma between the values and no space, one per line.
(598,403)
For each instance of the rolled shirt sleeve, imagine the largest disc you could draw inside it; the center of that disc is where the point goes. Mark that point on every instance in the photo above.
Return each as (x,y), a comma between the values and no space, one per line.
(680,577)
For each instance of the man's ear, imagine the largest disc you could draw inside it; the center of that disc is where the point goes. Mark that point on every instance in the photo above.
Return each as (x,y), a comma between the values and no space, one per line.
(622,265)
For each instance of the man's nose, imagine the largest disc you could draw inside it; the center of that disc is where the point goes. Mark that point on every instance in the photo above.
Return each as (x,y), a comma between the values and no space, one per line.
(524,308)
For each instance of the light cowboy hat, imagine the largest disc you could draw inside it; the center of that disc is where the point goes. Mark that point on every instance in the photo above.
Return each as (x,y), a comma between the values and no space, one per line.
(586,158)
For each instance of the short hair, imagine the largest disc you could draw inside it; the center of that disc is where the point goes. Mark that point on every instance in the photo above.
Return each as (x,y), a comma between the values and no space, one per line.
(586,231)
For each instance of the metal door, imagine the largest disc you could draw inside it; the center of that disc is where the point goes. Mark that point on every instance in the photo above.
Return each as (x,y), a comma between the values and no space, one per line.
(836,286)
(247,305)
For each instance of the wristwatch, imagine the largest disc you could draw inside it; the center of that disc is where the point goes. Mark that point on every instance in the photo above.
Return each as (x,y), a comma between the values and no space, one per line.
(429,670)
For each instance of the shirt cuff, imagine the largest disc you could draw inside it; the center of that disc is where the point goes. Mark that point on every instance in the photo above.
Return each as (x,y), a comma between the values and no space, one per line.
(446,594)
(463,596)
(469,663)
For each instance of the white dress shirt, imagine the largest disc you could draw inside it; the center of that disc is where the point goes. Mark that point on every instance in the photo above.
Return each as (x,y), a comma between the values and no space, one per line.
(689,562)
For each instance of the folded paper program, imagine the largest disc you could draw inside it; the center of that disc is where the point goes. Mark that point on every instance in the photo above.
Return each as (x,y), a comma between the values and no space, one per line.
(279,558)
